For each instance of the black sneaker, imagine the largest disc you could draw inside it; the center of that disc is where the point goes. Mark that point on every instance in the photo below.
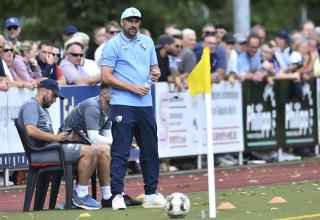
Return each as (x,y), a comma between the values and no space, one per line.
(107,202)
(131,202)
(127,200)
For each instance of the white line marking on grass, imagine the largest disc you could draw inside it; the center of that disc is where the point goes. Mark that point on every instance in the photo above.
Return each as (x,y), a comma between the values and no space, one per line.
(300,217)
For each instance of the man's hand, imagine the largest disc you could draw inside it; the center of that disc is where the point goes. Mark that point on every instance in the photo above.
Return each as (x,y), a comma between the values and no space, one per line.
(155,74)
(50,58)
(140,90)
(62,136)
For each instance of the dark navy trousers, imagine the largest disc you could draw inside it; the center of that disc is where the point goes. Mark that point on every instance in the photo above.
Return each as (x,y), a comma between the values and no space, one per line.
(129,121)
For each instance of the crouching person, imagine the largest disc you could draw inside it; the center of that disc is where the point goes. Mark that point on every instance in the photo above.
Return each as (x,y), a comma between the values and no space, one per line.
(36,121)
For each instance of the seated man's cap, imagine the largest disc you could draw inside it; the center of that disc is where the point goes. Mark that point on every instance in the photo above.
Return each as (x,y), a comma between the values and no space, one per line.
(70,29)
(130,12)
(164,39)
(13,21)
(53,86)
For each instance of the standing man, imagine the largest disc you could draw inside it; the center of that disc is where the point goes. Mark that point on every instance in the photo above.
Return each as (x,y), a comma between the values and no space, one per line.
(13,30)
(91,116)
(129,66)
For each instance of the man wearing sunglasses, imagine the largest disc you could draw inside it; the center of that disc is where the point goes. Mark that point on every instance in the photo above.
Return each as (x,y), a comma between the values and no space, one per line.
(72,69)
(13,29)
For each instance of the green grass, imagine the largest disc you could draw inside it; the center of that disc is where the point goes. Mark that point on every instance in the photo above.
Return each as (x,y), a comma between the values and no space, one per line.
(303,199)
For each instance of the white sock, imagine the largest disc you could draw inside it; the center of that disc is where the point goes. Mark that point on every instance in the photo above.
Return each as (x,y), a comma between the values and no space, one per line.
(82,190)
(105,192)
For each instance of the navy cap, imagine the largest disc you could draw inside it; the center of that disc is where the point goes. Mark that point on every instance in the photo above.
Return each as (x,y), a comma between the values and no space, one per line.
(70,29)
(283,34)
(164,39)
(13,21)
(53,86)
(130,12)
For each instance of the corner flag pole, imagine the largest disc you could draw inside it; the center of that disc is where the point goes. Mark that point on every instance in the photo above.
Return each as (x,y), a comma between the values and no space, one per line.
(199,81)
(211,175)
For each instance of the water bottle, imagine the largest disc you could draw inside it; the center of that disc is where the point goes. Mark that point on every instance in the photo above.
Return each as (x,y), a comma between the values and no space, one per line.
(148,83)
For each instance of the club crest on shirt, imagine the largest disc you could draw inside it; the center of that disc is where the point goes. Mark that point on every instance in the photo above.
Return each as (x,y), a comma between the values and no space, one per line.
(118,118)
(124,46)
(143,46)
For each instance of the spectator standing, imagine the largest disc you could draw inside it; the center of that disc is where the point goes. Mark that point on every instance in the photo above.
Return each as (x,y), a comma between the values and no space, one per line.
(13,30)
(221,30)
(186,60)
(260,31)
(99,36)
(25,63)
(112,28)
(90,66)
(307,29)
(218,66)
(232,67)
(46,61)
(163,49)
(250,60)
(13,79)
(283,50)
(68,32)
(3,68)
(72,69)
(129,64)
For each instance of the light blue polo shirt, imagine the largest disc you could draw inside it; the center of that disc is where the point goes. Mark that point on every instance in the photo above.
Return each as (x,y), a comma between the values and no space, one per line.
(248,64)
(131,60)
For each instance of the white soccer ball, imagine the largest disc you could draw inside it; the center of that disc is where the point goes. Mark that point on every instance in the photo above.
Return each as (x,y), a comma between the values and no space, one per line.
(177,205)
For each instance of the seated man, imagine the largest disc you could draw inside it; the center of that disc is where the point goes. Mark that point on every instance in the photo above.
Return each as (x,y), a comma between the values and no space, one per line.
(36,121)
(91,116)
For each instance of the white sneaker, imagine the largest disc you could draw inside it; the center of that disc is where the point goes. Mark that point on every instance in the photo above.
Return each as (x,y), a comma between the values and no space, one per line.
(153,201)
(118,203)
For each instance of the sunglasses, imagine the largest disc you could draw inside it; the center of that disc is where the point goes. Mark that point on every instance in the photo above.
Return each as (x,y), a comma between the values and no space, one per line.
(76,54)
(12,28)
(56,54)
(8,50)
(209,33)
(178,46)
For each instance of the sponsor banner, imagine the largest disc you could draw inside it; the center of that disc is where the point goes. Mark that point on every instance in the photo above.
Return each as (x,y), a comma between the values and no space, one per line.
(260,115)
(74,95)
(227,119)
(299,114)
(174,121)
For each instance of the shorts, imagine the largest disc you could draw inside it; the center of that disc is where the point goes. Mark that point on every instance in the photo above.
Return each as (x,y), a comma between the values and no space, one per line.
(71,154)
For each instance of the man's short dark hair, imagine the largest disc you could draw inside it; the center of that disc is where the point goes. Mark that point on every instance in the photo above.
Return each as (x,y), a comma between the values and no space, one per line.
(45,43)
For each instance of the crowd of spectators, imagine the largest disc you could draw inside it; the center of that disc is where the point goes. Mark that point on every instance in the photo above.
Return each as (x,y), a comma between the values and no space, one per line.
(286,54)
(257,57)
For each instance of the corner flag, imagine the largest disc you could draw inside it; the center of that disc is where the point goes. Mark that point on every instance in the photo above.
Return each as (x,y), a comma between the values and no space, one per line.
(199,80)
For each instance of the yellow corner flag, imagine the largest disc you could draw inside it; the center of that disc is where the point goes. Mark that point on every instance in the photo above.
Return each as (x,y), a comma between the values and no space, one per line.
(199,80)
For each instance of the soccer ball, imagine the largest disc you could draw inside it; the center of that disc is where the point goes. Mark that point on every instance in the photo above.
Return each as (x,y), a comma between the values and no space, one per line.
(177,205)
